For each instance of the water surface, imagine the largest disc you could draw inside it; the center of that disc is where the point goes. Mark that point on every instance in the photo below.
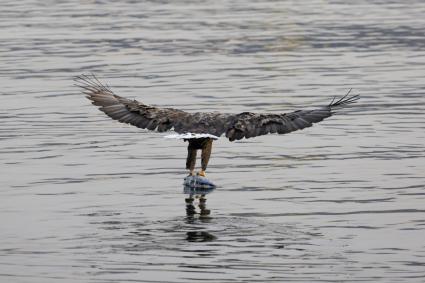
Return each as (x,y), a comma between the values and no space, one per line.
(86,199)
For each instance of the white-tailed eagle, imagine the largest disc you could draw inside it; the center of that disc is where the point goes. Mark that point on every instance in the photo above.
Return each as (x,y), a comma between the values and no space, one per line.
(201,128)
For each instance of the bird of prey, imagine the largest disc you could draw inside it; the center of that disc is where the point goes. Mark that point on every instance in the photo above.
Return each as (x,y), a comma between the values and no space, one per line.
(199,129)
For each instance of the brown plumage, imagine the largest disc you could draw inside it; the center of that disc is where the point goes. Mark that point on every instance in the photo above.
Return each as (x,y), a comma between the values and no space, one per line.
(234,126)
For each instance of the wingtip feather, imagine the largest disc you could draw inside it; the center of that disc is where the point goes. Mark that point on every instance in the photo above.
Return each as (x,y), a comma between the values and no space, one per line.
(344,101)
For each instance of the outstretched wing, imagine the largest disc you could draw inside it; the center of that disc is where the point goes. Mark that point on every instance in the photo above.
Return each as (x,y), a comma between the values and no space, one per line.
(235,126)
(248,125)
(149,117)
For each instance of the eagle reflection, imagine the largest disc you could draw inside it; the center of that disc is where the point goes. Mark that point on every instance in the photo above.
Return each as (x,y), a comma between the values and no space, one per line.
(197,199)
(192,202)
(191,208)
(200,236)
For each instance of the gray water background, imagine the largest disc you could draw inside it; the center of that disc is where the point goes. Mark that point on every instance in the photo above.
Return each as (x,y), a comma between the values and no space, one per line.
(87,199)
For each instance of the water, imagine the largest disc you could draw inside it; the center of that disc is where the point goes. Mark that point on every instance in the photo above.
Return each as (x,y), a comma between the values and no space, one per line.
(86,199)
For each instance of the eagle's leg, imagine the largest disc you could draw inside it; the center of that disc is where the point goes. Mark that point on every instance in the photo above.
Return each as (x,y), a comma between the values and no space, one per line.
(205,156)
(191,159)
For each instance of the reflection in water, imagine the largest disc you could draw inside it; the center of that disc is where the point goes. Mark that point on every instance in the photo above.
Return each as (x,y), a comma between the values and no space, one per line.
(197,232)
(201,203)
(197,197)
(200,236)
(197,190)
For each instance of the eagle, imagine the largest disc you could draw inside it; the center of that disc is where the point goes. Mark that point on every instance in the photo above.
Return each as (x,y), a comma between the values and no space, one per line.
(200,129)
